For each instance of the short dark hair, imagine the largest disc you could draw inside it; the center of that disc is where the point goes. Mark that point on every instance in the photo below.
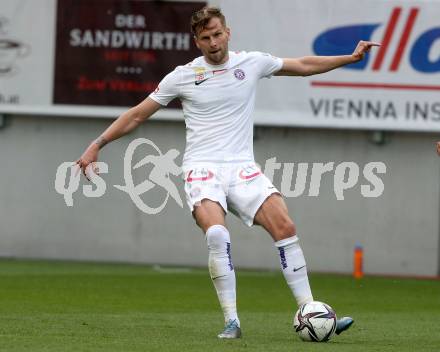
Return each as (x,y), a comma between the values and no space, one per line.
(200,18)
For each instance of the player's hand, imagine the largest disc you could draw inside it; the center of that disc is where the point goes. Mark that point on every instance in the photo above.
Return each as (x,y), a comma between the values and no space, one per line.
(438,148)
(362,48)
(89,157)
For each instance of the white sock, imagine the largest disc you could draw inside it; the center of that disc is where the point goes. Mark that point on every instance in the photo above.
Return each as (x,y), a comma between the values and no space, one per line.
(293,266)
(221,270)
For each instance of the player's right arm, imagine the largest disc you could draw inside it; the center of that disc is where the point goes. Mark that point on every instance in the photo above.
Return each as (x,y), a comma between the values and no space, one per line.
(123,125)
(167,90)
(438,148)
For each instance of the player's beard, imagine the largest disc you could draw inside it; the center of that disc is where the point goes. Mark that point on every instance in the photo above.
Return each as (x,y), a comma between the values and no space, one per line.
(218,57)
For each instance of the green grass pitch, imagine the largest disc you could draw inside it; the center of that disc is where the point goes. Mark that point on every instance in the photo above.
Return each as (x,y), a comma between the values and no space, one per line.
(59,306)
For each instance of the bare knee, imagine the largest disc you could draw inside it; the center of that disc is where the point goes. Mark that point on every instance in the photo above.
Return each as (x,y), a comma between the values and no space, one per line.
(284,229)
(208,213)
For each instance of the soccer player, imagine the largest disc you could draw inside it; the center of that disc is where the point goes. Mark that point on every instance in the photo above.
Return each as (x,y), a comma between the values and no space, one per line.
(217,91)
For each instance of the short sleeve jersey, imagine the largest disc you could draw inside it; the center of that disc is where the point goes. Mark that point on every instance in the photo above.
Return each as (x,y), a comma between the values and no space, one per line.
(218,102)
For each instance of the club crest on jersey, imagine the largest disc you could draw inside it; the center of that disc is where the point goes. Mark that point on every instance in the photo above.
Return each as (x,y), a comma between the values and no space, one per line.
(239,74)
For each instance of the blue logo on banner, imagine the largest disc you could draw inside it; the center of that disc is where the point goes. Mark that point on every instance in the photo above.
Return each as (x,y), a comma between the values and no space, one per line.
(343,40)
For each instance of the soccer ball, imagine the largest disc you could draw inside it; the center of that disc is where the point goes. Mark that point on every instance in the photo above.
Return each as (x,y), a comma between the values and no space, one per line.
(315,321)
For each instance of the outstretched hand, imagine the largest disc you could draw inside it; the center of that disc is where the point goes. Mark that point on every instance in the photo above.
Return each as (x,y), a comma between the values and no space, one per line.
(89,157)
(362,48)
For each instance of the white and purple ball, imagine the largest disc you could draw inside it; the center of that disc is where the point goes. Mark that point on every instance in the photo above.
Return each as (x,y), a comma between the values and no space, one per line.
(315,321)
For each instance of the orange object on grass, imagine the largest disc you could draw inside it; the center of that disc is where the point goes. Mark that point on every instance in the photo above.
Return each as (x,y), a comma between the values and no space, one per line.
(358,262)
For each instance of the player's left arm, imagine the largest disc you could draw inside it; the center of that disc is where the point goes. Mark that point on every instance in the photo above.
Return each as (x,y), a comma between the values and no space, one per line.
(312,65)
(438,148)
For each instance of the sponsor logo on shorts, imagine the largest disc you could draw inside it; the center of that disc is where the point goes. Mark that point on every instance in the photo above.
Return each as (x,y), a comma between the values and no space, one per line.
(248,177)
(207,176)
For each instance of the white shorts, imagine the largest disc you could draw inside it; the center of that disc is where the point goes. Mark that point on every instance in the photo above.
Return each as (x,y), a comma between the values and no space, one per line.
(241,187)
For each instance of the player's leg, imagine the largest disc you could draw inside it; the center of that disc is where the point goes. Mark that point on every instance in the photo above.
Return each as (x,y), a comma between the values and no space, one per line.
(205,194)
(210,217)
(273,216)
(255,200)
(208,213)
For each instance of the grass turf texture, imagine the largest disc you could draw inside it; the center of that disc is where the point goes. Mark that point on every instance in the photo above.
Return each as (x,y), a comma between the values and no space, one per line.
(59,306)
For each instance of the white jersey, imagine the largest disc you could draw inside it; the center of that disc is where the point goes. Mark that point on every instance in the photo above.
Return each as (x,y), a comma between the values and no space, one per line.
(218,101)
